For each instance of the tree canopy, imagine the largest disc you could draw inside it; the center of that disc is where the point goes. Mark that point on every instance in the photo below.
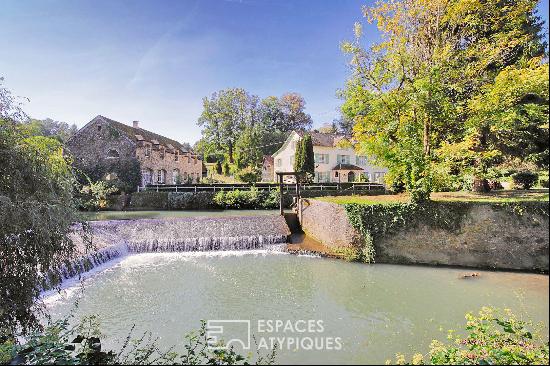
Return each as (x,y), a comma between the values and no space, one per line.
(454,88)
(239,128)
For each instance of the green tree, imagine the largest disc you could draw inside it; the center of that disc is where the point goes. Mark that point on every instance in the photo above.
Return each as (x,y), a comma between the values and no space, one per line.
(37,210)
(304,160)
(418,93)
(243,128)
(61,131)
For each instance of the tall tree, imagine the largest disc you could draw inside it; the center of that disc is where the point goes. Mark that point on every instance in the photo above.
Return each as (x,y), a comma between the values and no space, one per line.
(304,160)
(293,109)
(37,210)
(244,128)
(411,94)
(61,131)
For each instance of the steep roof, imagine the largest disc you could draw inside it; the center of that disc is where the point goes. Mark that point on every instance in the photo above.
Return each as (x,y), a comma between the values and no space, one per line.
(323,139)
(141,134)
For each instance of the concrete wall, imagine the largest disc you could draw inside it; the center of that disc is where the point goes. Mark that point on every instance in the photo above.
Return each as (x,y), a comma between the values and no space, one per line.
(487,238)
(328,224)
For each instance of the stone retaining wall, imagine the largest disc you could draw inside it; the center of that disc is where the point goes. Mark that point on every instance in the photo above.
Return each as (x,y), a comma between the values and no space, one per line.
(487,238)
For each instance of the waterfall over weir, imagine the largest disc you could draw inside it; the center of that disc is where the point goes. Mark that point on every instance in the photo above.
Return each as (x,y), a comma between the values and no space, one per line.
(207,244)
(115,238)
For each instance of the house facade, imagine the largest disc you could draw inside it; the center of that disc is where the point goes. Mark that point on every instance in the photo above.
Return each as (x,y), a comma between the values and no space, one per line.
(161,160)
(336,161)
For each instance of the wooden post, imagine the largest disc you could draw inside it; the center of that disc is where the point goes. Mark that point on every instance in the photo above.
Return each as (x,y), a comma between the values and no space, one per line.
(280,177)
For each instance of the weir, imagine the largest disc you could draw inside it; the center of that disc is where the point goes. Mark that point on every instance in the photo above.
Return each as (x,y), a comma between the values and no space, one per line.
(115,238)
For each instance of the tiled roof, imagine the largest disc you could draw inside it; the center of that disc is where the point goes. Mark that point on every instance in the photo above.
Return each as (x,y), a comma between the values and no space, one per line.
(323,139)
(141,134)
(346,167)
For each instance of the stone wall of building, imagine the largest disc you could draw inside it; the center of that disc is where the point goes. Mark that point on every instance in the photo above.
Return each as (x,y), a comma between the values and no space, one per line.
(97,141)
(187,166)
(485,236)
(100,141)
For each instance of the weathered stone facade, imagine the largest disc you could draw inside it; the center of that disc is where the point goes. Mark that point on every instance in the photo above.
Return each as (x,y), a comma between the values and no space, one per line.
(162,160)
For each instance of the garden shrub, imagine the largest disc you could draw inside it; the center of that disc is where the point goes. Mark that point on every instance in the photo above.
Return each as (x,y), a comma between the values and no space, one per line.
(525,179)
(494,337)
(252,199)
(543,180)
(149,200)
(94,196)
(191,201)
(248,175)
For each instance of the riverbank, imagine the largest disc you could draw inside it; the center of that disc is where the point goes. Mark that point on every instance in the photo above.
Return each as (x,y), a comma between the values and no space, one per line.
(511,234)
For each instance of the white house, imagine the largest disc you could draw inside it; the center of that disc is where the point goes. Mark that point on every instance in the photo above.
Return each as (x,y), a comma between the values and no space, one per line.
(335,159)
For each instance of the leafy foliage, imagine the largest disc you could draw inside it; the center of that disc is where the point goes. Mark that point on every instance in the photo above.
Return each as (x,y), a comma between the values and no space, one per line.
(252,199)
(95,194)
(525,179)
(304,160)
(61,343)
(126,171)
(454,89)
(374,221)
(36,212)
(60,131)
(248,175)
(239,128)
(494,337)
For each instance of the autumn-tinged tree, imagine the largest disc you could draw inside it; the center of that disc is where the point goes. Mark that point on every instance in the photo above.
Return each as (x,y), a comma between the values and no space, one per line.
(293,109)
(416,94)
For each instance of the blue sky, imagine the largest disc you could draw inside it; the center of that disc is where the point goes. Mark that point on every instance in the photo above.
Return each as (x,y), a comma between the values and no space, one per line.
(154,61)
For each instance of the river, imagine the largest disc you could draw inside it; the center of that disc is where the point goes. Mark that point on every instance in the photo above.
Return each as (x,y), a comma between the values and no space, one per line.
(374,310)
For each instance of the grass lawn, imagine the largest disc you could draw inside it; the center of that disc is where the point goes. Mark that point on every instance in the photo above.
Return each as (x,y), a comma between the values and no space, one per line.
(495,196)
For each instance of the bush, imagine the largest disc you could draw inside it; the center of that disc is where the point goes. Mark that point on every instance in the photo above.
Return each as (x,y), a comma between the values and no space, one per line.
(60,343)
(524,179)
(543,180)
(494,338)
(252,199)
(95,195)
(149,200)
(248,175)
(191,201)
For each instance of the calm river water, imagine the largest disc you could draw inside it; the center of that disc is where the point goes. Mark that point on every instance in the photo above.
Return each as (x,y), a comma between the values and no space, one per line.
(376,310)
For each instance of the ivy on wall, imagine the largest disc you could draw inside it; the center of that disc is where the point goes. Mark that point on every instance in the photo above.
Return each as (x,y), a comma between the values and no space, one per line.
(374,221)
(128,174)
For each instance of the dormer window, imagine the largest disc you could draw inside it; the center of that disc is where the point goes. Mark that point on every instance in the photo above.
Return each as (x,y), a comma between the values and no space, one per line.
(147,151)
(162,151)
(176,156)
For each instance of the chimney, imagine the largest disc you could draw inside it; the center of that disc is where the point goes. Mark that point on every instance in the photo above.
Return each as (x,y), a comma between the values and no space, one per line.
(135,124)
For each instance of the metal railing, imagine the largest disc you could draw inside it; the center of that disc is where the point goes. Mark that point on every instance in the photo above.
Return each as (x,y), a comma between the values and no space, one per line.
(287,187)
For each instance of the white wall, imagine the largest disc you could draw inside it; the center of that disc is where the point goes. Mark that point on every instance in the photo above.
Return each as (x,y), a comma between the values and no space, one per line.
(284,163)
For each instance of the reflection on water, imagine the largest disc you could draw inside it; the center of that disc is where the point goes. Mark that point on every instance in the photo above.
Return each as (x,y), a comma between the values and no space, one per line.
(378,310)
(134,215)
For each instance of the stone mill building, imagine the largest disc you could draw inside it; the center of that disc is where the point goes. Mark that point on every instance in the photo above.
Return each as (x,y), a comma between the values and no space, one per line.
(161,159)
